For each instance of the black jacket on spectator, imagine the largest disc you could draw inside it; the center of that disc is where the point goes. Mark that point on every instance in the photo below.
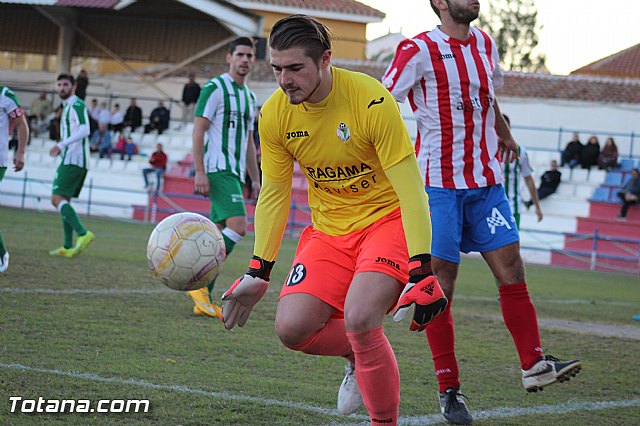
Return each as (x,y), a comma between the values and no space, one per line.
(589,155)
(133,117)
(190,93)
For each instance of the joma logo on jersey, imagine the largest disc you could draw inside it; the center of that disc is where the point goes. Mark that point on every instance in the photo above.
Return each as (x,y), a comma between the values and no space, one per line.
(446,56)
(340,172)
(388,262)
(297,134)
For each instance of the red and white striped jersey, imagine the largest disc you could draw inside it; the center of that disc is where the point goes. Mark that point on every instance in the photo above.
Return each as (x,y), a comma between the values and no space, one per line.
(450,85)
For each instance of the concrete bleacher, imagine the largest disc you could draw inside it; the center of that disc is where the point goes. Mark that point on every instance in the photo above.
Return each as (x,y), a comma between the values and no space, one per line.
(112,187)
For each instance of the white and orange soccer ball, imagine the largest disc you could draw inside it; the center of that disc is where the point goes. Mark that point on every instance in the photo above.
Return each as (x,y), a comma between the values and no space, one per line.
(186,251)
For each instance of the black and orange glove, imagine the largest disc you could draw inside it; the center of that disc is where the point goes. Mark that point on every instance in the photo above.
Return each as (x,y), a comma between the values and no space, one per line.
(424,291)
(245,292)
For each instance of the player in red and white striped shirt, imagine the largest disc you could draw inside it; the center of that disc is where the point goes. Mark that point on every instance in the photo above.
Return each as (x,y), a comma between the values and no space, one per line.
(449,75)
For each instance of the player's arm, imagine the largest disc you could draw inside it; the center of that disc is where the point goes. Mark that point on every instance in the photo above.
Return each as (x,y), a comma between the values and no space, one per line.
(270,221)
(252,167)
(507,145)
(423,288)
(19,121)
(81,130)
(201,182)
(531,186)
(405,69)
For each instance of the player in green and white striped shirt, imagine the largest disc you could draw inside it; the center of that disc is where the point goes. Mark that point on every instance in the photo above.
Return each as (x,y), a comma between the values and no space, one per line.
(69,179)
(11,117)
(512,173)
(224,150)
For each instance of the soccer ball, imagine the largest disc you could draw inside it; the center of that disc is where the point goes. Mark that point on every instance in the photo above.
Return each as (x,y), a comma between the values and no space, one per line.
(186,251)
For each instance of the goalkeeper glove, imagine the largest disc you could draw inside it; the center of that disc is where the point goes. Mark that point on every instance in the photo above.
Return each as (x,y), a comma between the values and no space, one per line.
(424,290)
(245,293)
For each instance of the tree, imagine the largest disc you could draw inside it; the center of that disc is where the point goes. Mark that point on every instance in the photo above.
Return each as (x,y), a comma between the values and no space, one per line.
(514,26)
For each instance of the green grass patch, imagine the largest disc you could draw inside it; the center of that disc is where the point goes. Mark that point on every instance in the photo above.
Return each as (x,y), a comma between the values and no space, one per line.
(155,339)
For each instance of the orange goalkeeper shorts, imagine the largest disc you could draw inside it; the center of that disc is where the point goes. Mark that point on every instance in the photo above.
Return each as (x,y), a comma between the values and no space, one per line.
(325,265)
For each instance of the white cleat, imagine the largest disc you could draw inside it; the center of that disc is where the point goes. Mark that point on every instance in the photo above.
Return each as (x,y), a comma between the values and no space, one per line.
(4,262)
(349,398)
(547,371)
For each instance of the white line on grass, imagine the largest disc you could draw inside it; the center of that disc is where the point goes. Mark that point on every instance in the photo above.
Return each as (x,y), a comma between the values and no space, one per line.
(117,291)
(179,388)
(496,413)
(106,291)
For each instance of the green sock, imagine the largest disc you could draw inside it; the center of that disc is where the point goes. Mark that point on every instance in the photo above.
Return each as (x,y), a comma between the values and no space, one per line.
(70,216)
(3,250)
(228,244)
(68,234)
(210,287)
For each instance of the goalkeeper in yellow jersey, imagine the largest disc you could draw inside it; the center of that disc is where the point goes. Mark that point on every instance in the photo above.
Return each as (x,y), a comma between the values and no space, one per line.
(371,232)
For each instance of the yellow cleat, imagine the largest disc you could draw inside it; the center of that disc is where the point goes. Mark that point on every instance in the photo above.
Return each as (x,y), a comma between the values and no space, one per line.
(83,242)
(62,252)
(202,304)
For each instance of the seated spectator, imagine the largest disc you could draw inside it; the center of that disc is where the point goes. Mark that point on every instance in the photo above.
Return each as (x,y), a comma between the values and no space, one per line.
(630,193)
(571,154)
(589,153)
(120,145)
(158,162)
(94,114)
(54,125)
(101,141)
(105,115)
(116,123)
(39,111)
(159,119)
(129,149)
(549,182)
(608,158)
(133,116)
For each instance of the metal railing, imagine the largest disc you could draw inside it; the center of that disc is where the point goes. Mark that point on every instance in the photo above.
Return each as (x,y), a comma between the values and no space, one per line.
(151,209)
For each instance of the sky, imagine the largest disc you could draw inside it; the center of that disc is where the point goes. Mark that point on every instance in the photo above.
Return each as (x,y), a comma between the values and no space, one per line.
(574,32)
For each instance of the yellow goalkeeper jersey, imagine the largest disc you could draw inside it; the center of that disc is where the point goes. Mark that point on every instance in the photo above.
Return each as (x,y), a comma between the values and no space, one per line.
(343,146)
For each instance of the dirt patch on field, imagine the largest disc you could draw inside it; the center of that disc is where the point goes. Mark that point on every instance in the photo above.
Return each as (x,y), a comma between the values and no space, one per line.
(597,329)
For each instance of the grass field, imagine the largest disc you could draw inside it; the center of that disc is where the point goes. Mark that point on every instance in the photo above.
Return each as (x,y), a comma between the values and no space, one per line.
(101,327)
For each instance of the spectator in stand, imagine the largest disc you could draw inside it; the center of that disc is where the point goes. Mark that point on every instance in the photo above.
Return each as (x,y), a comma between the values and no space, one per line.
(630,193)
(82,82)
(520,167)
(54,125)
(105,114)
(116,123)
(128,149)
(571,153)
(159,119)
(589,153)
(40,110)
(190,94)
(94,115)
(133,116)
(158,162)
(120,145)
(608,158)
(549,182)
(101,141)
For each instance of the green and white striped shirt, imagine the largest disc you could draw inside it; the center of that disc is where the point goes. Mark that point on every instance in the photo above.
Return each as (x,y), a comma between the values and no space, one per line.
(9,108)
(520,168)
(74,132)
(231,110)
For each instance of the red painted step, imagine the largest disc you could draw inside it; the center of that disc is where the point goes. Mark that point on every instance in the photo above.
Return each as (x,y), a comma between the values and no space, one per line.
(617,248)
(602,210)
(611,227)
(583,261)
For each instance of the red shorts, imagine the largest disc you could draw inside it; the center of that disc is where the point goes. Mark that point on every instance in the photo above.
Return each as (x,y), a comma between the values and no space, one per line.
(325,265)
